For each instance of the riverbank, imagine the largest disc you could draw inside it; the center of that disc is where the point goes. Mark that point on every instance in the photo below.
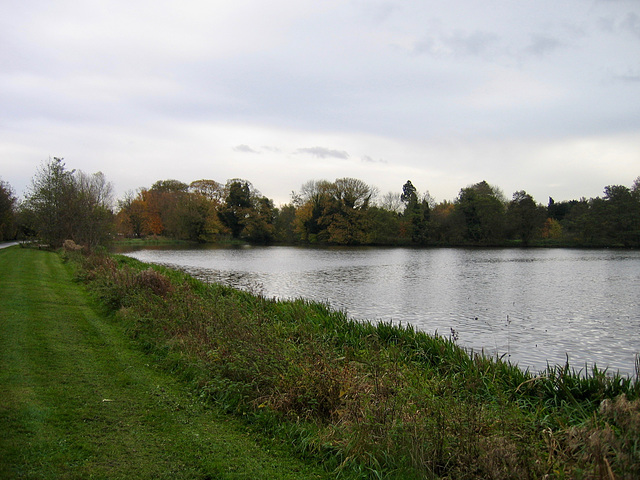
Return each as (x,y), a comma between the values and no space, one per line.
(370,400)
(363,400)
(80,400)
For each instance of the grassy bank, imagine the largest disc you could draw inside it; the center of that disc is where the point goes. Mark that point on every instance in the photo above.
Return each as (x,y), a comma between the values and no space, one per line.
(371,401)
(80,400)
(149,241)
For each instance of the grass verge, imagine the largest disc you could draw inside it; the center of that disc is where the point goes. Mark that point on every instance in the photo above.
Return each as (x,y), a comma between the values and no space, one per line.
(80,400)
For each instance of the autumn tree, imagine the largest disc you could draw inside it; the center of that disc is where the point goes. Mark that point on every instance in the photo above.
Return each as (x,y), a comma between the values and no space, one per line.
(346,211)
(131,216)
(551,230)
(199,211)
(166,205)
(442,223)
(209,189)
(311,220)
(259,224)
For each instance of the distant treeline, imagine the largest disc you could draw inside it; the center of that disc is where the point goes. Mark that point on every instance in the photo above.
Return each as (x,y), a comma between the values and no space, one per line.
(66,204)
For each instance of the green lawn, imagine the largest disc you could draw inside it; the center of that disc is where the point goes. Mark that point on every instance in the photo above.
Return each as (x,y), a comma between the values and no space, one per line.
(78,400)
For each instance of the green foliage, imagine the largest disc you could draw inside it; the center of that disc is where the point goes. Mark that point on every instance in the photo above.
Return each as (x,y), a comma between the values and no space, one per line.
(169,186)
(335,212)
(51,202)
(525,218)
(345,212)
(65,204)
(370,400)
(480,213)
(8,204)
(247,214)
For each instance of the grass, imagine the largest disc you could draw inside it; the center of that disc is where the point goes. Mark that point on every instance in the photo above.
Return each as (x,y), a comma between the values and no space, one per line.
(149,241)
(372,401)
(365,400)
(80,400)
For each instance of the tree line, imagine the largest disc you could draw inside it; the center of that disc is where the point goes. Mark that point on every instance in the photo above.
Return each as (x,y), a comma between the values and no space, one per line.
(66,204)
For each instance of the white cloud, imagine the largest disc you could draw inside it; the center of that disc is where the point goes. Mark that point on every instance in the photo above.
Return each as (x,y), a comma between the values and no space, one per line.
(442,93)
(322,152)
(245,149)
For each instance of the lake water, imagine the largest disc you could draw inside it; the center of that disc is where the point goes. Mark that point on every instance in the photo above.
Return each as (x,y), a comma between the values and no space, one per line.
(531,305)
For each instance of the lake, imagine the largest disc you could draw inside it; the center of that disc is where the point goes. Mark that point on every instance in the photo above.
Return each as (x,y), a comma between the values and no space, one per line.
(531,305)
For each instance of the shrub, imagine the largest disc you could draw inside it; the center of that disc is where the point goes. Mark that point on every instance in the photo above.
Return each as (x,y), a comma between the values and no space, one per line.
(71,246)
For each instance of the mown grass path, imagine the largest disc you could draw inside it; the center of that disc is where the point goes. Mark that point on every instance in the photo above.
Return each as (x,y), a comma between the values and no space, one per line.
(78,400)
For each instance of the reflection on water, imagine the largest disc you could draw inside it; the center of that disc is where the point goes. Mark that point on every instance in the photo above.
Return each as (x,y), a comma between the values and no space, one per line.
(533,306)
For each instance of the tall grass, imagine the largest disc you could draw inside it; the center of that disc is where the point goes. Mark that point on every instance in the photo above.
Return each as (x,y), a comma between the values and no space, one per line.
(372,400)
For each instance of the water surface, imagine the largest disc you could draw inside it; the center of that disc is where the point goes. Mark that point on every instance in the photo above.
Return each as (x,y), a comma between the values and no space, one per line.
(532,305)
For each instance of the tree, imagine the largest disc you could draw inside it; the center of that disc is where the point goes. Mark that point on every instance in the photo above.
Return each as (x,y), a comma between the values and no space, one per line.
(635,188)
(576,224)
(199,220)
(442,225)
(51,202)
(259,224)
(417,213)
(236,206)
(210,189)
(409,193)
(558,211)
(420,222)
(383,226)
(620,215)
(131,215)
(166,205)
(63,205)
(95,206)
(525,218)
(480,213)
(170,186)
(392,202)
(314,201)
(551,229)
(7,212)
(334,212)
(285,224)
(345,211)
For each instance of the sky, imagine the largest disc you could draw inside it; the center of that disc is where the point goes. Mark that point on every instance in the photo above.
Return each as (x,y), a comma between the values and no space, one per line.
(541,96)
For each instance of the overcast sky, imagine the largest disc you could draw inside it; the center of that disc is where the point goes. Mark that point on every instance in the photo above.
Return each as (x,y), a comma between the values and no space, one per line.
(542,96)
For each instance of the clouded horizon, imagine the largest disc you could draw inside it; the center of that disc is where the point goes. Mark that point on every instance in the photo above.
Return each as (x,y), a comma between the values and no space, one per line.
(539,96)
